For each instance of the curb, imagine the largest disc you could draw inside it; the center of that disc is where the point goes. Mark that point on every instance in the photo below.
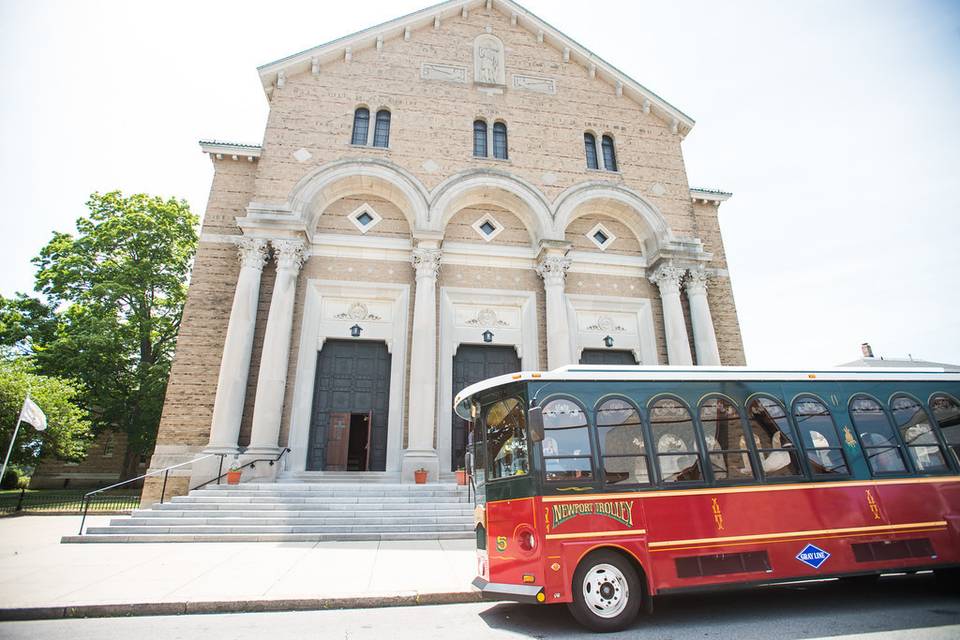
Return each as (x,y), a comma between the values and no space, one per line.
(232,606)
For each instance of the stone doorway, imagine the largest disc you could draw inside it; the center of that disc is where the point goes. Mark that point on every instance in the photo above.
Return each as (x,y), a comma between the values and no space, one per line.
(351,398)
(471,364)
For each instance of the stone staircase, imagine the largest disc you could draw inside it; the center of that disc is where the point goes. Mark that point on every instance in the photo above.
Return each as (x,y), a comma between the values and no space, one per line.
(298,509)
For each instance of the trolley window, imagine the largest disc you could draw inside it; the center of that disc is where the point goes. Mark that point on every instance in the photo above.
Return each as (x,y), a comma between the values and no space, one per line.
(915,430)
(880,444)
(622,443)
(818,435)
(946,411)
(773,437)
(566,442)
(506,439)
(678,455)
(726,443)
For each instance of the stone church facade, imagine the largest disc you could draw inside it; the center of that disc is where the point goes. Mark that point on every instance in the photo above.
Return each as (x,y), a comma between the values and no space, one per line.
(456,194)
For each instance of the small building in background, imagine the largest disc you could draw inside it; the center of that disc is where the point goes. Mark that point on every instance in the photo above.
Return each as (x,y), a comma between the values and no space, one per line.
(870,360)
(102,467)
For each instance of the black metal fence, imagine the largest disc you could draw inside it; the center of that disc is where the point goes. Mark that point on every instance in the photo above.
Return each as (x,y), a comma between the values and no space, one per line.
(66,501)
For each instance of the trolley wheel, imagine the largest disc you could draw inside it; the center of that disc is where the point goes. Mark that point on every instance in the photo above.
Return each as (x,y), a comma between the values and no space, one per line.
(948,579)
(607,592)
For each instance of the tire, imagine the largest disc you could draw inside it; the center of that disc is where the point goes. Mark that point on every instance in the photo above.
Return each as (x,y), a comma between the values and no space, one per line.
(607,592)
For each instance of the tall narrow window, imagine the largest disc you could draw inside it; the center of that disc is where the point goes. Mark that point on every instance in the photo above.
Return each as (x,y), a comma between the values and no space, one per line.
(876,434)
(726,444)
(946,412)
(381,132)
(361,125)
(916,432)
(500,140)
(566,442)
(506,439)
(609,155)
(480,139)
(819,436)
(590,146)
(675,441)
(774,439)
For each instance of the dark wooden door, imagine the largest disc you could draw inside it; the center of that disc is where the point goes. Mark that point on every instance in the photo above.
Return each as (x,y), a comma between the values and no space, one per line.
(607,356)
(338,439)
(474,363)
(353,376)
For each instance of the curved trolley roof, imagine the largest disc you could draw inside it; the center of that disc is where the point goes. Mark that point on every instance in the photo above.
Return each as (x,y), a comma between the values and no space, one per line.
(726,374)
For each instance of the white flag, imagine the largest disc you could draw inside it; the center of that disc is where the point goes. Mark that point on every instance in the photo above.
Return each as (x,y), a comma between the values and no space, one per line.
(31,414)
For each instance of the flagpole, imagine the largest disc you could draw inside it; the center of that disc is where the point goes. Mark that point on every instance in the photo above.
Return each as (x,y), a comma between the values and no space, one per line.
(10,448)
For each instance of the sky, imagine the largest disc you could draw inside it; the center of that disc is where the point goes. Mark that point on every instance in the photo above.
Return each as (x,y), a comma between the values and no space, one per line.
(835,123)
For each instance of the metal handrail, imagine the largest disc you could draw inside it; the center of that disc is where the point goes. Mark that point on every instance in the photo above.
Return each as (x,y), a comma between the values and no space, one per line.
(252,464)
(165,471)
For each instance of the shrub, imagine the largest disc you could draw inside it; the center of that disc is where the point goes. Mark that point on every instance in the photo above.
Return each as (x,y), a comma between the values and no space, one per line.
(11,479)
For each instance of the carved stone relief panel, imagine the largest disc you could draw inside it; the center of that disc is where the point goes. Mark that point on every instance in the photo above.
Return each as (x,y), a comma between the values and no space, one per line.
(357,310)
(535,83)
(489,66)
(486,317)
(443,72)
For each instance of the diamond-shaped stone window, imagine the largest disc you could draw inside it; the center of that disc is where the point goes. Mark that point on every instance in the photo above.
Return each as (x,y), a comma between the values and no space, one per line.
(601,236)
(364,218)
(487,227)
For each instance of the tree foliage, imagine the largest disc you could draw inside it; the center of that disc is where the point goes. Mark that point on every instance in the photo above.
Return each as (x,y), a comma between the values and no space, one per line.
(68,430)
(114,295)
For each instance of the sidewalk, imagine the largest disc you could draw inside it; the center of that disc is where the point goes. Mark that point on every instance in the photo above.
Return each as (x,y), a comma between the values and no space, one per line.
(41,578)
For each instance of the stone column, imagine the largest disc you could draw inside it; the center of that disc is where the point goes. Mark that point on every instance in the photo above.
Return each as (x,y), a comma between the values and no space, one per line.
(420,452)
(553,270)
(235,364)
(667,278)
(272,382)
(704,335)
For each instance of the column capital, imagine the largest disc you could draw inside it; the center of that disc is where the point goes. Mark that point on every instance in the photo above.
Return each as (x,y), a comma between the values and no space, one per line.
(668,278)
(426,262)
(289,253)
(697,280)
(252,252)
(553,269)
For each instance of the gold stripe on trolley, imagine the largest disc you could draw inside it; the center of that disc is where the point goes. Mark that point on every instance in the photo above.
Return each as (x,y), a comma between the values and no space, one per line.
(793,534)
(668,493)
(786,540)
(596,534)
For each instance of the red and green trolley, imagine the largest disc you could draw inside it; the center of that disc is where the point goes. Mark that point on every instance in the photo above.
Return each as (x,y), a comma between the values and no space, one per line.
(601,487)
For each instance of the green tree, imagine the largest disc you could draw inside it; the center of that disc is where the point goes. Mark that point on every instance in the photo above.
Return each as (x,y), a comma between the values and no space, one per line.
(68,430)
(114,292)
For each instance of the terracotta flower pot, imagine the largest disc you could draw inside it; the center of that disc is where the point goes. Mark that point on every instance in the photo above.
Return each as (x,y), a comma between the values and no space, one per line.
(233,477)
(420,476)
(461,477)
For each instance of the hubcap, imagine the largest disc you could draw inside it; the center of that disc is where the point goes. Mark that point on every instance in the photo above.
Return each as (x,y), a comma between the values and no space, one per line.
(605,591)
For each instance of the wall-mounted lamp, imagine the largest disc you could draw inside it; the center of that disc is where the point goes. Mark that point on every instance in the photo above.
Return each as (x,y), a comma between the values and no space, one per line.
(608,341)
(488,336)
(355,330)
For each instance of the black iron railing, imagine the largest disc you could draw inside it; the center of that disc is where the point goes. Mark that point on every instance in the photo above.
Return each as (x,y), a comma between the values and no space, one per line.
(252,464)
(60,501)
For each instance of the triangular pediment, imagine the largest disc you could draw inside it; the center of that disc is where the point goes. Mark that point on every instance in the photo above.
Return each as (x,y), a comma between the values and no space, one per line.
(312,60)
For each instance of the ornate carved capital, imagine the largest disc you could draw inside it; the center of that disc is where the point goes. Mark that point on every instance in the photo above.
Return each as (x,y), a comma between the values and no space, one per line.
(697,280)
(252,252)
(289,254)
(553,269)
(667,277)
(426,262)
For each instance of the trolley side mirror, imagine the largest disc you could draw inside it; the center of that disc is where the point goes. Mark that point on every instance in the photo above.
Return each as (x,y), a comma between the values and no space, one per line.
(535,420)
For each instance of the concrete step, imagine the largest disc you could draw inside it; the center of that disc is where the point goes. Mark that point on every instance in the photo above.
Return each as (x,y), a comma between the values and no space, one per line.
(319,506)
(271,537)
(228,498)
(249,529)
(289,521)
(465,512)
(250,492)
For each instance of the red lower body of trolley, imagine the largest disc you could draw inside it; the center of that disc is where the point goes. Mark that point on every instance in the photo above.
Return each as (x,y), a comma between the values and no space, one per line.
(696,538)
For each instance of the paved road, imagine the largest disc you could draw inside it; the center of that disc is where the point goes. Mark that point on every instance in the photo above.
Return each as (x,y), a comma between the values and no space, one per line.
(898,608)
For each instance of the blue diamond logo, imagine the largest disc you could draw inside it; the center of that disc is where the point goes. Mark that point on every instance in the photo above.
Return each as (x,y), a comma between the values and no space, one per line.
(813,556)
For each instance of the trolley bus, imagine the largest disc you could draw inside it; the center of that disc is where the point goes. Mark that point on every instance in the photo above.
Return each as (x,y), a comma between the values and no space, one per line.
(601,487)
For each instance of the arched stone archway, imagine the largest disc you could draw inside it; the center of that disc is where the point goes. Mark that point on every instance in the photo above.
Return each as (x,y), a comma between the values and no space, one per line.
(314,192)
(489,187)
(622,204)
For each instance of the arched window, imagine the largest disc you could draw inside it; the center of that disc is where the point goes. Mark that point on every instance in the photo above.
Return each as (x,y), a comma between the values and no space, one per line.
(609,155)
(590,146)
(675,439)
(381,132)
(500,140)
(915,431)
(773,438)
(479,139)
(819,437)
(726,443)
(566,442)
(622,447)
(946,412)
(880,443)
(361,126)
